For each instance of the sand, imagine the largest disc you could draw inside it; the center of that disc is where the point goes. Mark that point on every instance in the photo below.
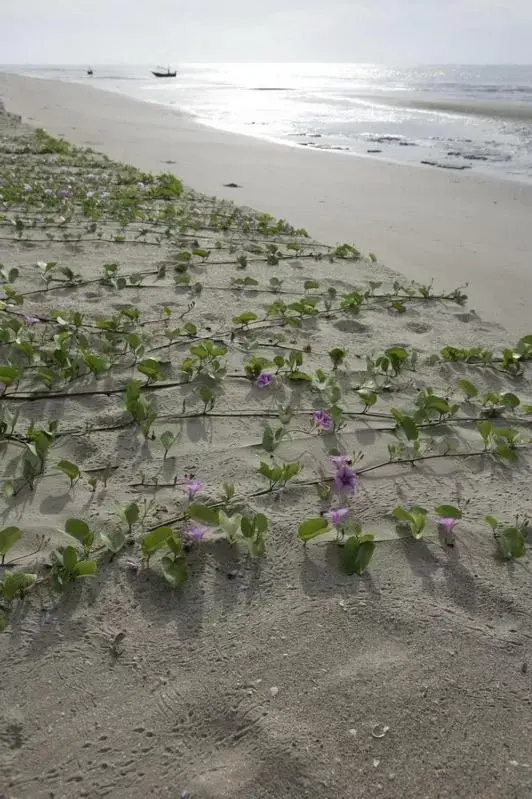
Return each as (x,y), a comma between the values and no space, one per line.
(423,222)
(280,676)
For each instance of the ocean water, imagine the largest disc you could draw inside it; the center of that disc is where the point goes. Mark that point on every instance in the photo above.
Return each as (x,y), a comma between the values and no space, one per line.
(477,118)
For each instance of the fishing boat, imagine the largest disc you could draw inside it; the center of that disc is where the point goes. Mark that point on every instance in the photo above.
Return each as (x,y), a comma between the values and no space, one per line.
(164,73)
(90,71)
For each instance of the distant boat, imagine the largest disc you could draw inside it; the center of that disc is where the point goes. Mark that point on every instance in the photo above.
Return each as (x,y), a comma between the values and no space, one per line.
(164,73)
(90,71)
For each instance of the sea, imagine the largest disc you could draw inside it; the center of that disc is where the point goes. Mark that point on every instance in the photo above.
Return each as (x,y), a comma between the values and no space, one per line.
(475,118)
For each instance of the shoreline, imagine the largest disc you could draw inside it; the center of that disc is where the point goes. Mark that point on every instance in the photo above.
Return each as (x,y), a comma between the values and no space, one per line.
(456,228)
(502,109)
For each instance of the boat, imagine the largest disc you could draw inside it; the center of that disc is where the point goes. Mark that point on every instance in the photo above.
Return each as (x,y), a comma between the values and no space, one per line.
(90,71)
(164,73)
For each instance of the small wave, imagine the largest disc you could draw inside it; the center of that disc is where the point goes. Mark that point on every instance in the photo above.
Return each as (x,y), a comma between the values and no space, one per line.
(500,109)
(271,89)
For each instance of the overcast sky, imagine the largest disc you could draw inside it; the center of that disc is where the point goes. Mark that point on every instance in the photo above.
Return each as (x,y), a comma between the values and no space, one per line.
(377,31)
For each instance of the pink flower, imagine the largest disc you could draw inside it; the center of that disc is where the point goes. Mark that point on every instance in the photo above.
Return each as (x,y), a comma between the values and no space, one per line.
(340,460)
(195,533)
(345,480)
(30,320)
(192,486)
(323,420)
(264,380)
(336,516)
(447,526)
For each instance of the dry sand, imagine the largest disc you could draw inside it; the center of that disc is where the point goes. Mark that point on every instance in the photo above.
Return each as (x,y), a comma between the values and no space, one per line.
(268,678)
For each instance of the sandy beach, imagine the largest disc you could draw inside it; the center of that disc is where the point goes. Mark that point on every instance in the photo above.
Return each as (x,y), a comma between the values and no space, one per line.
(186,347)
(423,222)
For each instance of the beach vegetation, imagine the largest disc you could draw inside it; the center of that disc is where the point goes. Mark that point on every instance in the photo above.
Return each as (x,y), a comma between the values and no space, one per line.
(168,341)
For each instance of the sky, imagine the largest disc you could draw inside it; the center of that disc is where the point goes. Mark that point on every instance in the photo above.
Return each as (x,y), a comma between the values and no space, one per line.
(368,31)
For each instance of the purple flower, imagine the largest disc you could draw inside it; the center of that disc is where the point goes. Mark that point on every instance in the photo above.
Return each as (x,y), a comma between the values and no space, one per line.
(336,516)
(89,195)
(30,320)
(192,486)
(264,380)
(140,185)
(323,420)
(48,191)
(27,187)
(340,460)
(63,194)
(195,533)
(345,480)
(447,526)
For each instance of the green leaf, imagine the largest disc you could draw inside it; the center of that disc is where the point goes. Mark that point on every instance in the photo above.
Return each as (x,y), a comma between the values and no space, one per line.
(96,363)
(114,540)
(400,514)
(507,452)
(485,429)
(510,400)
(167,439)
(357,554)
(229,490)
(312,528)
(131,514)
(8,538)
(175,543)
(261,523)
(151,368)
(492,521)
(268,440)
(368,397)
(175,570)
(448,512)
(409,427)
(86,568)
(16,584)
(69,556)
(247,527)
(229,525)
(9,375)
(79,530)
(244,318)
(511,543)
(69,468)
(156,540)
(257,547)
(202,513)
(296,377)
(290,470)
(419,516)
(437,404)
(468,388)
(399,306)
(524,345)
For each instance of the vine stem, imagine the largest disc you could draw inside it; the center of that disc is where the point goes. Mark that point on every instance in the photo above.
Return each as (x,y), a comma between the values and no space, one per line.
(308,483)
